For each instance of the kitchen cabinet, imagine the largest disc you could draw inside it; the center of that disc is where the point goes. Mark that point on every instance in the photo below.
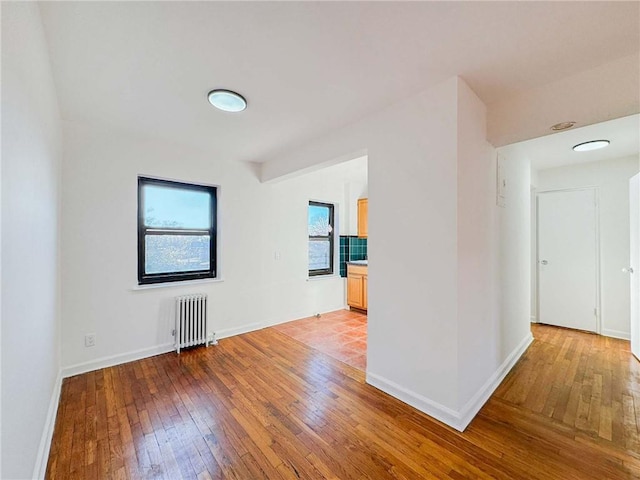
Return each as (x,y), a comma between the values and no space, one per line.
(365,290)
(363,212)
(357,286)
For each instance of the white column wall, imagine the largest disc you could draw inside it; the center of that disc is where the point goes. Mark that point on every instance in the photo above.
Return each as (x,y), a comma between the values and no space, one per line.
(412,342)
(442,332)
(478,250)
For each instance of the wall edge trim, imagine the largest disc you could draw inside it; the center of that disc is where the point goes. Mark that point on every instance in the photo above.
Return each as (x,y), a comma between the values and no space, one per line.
(616,334)
(425,405)
(473,406)
(118,359)
(232,332)
(455,419)
(42,458)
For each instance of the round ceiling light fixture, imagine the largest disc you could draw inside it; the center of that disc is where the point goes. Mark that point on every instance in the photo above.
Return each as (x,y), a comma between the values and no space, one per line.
(558,127)
(591,145)
(227,100)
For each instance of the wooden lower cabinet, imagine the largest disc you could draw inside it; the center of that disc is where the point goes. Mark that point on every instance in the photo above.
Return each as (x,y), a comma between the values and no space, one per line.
(357,286)
(366,301)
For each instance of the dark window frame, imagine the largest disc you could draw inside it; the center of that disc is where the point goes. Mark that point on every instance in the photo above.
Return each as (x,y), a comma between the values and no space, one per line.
(330,237)
(143,231)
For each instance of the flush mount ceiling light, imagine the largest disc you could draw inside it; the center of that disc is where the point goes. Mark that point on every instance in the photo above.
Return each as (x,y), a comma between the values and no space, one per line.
(562,126)
(591,145)
(226,100)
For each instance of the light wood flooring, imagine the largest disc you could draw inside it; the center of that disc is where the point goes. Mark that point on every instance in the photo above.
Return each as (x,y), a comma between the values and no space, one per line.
(264,406)
(581,380)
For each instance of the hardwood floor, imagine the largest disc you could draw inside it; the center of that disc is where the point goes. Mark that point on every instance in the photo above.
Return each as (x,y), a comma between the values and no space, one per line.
(584,381)
(261,406)
(341,334)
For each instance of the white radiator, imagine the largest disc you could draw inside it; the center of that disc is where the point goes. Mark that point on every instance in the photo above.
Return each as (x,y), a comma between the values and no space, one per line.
(191,321)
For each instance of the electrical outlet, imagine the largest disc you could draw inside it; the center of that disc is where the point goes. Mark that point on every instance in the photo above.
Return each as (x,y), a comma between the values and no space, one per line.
(90,340)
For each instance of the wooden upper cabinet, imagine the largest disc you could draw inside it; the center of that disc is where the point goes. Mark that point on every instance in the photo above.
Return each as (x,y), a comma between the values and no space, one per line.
(363,213)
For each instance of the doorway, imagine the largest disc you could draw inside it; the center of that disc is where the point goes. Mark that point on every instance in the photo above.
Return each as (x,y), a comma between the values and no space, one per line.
(567,259)
(333,196)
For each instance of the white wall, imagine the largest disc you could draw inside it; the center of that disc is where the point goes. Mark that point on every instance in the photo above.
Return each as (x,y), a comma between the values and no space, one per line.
(515,256)
(284,290)
(612,179)
(256,221)
(478,253)
(437,337)
(412,328)
(30,183)
(353,190)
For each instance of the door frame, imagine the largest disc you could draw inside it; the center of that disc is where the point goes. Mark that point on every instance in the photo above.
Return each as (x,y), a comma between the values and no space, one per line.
(633,321)
(596,196)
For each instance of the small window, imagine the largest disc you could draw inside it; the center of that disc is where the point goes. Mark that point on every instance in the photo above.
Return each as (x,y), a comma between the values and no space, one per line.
(321,235)
(176,231)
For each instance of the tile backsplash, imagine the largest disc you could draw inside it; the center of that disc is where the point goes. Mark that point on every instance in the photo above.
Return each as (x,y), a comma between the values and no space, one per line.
(351,248)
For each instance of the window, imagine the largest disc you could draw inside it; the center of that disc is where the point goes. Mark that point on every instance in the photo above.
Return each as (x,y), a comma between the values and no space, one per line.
(320,224)
(176,231)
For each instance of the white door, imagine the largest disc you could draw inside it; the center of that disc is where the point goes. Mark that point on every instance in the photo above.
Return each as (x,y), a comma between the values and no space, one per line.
(567,259)
(634,262)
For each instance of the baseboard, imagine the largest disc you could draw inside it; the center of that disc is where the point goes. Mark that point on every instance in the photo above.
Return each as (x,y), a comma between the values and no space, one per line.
(42,458)
(112,360)
(424,404)
(473,406)
(273,323)
(458,420)
(534,319)
(616,334)
(231,332)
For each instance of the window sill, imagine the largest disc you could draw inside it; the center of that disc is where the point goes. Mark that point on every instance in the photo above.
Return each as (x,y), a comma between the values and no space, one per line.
(186,283)
(322,277)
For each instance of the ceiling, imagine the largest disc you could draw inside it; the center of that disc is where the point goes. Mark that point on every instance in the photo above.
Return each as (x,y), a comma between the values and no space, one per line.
(557,150)
(307,68)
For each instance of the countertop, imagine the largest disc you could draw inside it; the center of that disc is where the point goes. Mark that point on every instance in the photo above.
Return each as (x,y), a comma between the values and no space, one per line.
(358,262)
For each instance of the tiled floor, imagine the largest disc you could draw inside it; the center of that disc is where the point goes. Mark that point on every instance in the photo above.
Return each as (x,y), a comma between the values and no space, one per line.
(341,334)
